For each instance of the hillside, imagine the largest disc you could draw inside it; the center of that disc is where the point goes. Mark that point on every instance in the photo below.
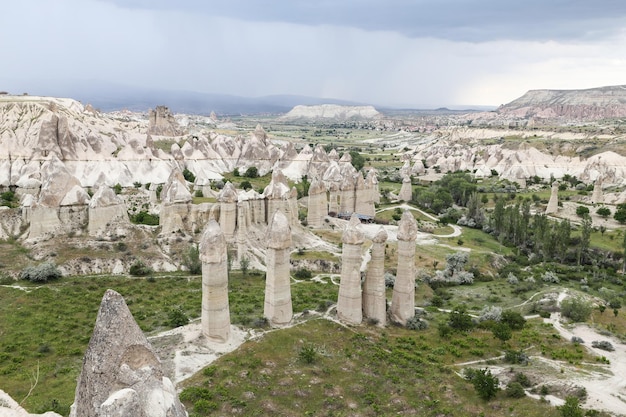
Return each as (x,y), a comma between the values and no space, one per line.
(587,104)
(331,112)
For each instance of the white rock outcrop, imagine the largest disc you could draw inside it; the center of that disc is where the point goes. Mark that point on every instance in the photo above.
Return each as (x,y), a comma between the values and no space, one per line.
(403,298)
(277,305)
(374,295)
(349,302)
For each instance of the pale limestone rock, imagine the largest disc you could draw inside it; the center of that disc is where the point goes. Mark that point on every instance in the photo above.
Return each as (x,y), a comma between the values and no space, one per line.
(10,408)
(406,191)
(227,200)
(418,168)
(597,197)
(403,298)
(318,205)
(44,221)
(278,195)
(364,196)
(333,199)
(175,204)
(349,302)
(277,307)
(105,208)
(163,123)
(553,203)
(215,309)
(374,296)
(347,196)
(121,374)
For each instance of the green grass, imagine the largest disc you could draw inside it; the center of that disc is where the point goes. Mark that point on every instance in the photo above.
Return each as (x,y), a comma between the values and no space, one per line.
(325,369)
(48,327)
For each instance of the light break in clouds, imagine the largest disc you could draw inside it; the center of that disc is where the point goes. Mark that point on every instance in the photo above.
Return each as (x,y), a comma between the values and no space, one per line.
(415,53)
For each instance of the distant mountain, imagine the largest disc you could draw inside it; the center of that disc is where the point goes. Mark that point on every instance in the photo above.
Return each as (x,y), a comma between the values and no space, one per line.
(109,97)
(588,104)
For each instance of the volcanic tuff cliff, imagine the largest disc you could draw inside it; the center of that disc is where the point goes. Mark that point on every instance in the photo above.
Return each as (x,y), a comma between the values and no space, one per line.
(332,112)
(588,104)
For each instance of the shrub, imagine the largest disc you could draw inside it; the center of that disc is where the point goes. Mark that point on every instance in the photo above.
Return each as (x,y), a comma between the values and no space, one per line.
(189,176)
(191,259)
(143,217)
(577,340)
(390,280)
(302,273)
(576,309)
(514,319)
(490,313)
(485,384)
(199,193)
(177,317)
(416,323)
(604,212)
(515,357)
(603,344)
(515,390)
(44,272)
(308,354)
(460,320)
(117,188)
(571,408)
(502,331)
(522,379)
(251,172)
(582,211)
(550,277)
(245,185)
(140,269)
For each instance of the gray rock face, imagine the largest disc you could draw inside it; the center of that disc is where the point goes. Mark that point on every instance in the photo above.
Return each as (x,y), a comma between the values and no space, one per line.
(215,308)
(374,297)
(349,302)
(406,191)
(162,122)
(553,203)
(403,298)
(277,306)
(121,374)
(318,204)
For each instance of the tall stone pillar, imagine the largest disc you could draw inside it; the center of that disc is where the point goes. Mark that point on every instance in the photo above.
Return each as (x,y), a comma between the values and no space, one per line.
(406,191)
(596,197)
(403,299)
(374,297)
(318,206)
(277,307)
(228,210)
(347,195)
(349,303)
(553,203)
(215,309)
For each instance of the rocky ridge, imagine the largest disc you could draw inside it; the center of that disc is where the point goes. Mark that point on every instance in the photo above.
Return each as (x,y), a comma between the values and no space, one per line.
(331,112)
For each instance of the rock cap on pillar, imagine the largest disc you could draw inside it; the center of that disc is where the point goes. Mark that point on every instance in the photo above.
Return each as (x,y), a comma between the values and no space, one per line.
(212,246)
(407,227)
(381,236)
(354,233)
(278,235)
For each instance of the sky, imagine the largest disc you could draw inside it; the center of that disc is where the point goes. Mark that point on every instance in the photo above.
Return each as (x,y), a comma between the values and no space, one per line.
(404,53)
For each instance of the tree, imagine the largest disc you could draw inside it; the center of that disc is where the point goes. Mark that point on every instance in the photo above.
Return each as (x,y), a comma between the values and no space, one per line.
(571,408)
(251,172)
(576,309)
(513,319)
(585,237)
(620,213)
(189,176)
(117,188)
(357,160)
(485,384)
(191,259)
(582,211)
(460,320)
(604,212)
(244,264)
(41,273)
(245,185)
(502,331)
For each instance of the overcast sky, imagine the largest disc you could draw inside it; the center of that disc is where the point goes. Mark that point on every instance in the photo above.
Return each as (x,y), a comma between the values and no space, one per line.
(418,53)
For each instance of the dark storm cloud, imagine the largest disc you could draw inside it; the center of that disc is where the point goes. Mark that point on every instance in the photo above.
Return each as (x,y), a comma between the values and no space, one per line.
(466,20)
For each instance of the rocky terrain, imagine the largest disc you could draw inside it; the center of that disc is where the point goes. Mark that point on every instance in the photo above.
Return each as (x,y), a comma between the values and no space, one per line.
(331,113)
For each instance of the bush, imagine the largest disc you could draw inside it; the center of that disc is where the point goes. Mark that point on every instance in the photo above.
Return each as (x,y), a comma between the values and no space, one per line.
(515,390)
(140,269)
(571,408)
(143,217)
(522,379)
(604,212)
(251,172)
(302,273)
(189,176)
(582,211)
(603,344)
(245,185)
(460,320)
(177,317)
(577,340)
(191,259)
(308,354)
(390,280)
(576,309)
(416,323)
(490,313)
(514,319)
(44,272)
(199,193)
(516,357)
(485,384)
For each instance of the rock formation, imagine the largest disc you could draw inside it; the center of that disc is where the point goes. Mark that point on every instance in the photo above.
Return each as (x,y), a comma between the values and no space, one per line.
(278,195)
(11,408)
(215,309)
(406,191)
(105,208)
(403,298)
(277,307)
(162,122)
(332,112)
(318,204)
(597,197)
(227,200)
(346,195)
(349,302)
(374,296)
(121,374)
(175,204)
(553,203)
